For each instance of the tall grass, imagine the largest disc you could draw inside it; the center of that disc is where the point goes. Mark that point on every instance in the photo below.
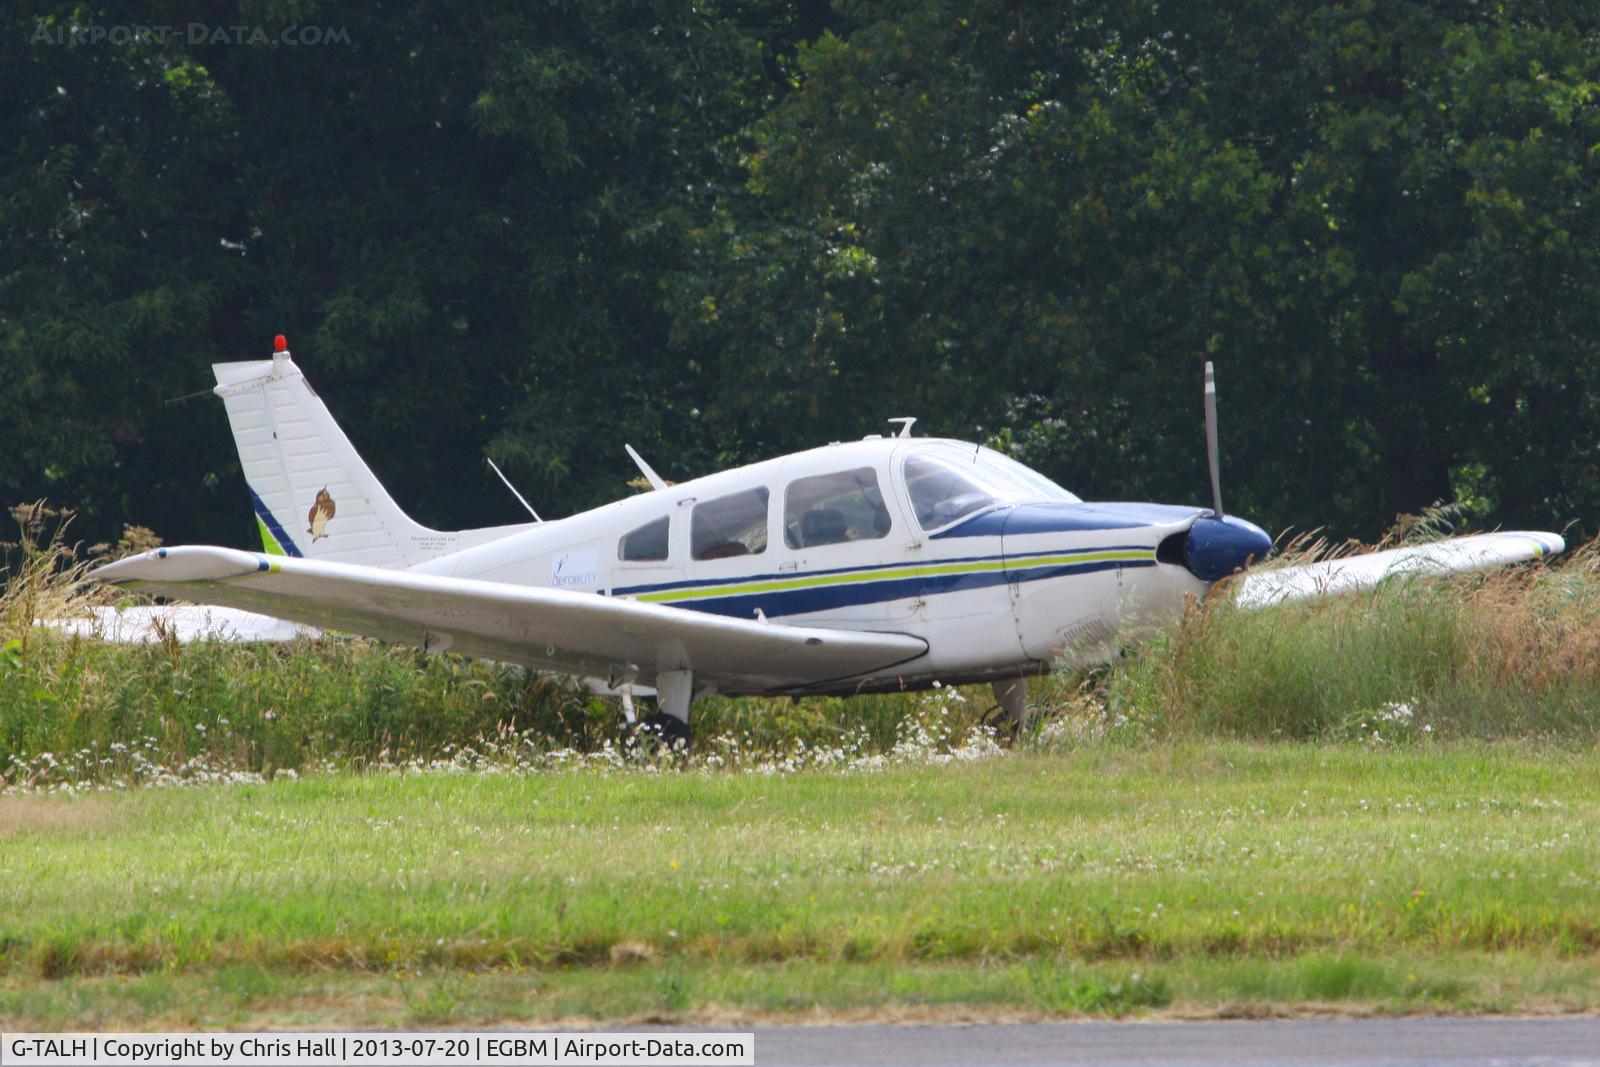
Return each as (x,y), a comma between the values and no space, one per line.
(76,710)
(1514,653)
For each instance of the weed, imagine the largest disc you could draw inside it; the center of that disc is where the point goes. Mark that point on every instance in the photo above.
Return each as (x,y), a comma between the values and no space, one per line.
(1509,654)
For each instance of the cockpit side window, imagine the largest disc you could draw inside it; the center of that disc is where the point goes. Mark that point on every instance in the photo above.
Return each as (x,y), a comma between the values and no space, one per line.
(941,494)
(647,544)
(831,509)
(734,525)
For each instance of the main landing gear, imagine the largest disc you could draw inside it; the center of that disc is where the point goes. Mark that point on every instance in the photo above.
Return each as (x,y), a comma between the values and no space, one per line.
(669,725)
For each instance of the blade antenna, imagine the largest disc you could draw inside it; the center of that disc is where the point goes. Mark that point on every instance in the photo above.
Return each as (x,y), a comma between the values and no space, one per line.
(1211,441)
(520,499)
(655,480)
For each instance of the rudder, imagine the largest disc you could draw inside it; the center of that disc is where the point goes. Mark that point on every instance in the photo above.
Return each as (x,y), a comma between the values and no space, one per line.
(312,493)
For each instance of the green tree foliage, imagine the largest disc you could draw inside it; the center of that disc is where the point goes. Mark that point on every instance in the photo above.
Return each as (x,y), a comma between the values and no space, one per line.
(722,231)
(1035,223)
(459,218)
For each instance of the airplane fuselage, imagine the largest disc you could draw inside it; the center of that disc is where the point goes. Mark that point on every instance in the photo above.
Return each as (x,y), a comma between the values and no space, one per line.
(999,570)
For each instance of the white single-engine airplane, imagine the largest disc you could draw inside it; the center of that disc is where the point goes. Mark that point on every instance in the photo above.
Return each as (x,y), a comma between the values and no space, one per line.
(863,566)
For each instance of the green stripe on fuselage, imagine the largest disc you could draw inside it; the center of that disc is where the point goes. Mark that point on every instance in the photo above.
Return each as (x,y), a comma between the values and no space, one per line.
(886,574)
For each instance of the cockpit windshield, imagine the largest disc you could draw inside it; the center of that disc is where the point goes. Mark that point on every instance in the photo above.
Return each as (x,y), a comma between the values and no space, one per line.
(949,481)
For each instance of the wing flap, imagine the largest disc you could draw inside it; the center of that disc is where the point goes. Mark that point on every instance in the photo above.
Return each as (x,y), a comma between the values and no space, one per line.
(1354,573)
(551,629)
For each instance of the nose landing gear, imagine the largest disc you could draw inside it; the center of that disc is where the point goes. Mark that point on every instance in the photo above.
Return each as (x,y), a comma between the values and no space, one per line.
(1012,695)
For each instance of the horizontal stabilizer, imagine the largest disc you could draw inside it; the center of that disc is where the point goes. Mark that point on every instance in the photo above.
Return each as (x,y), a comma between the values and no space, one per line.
(1351,574)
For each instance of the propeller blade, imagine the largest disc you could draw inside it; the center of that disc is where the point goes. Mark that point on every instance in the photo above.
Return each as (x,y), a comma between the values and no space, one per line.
(1211,441)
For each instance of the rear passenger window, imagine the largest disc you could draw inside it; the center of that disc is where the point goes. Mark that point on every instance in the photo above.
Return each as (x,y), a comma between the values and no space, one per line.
(830,509)
(646,544)
(730,526)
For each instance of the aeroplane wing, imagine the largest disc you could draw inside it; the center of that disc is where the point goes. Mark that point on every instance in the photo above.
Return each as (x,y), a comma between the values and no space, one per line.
(552,629)
(1282,585)
(144,623)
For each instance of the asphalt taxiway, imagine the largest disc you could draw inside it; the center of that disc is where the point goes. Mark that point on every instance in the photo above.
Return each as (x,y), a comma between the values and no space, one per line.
(1407,1042)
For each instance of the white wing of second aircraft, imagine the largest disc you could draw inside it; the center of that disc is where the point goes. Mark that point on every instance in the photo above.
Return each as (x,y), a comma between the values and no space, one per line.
(552,629)
(1259,588)
(185,623)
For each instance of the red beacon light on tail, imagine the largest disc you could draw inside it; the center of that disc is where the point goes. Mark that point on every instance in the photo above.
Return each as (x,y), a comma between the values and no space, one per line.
(280,356)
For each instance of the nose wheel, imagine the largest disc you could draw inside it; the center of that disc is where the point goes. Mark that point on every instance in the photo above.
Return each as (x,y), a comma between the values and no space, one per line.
(1012,696)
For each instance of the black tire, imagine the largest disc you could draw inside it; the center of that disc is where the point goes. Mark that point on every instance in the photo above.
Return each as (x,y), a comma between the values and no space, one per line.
(666,731)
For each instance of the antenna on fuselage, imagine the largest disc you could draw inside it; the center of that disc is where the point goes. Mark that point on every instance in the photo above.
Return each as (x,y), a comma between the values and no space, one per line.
(906,422)
(520,499)
(655,480)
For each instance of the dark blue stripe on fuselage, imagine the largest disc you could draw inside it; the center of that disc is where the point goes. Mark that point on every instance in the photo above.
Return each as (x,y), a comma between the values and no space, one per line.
(285,542)
(1021,519)
(825,598)
(773,576)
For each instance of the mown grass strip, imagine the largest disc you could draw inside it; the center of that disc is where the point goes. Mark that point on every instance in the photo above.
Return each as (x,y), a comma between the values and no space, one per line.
(1186,853)
(249,996)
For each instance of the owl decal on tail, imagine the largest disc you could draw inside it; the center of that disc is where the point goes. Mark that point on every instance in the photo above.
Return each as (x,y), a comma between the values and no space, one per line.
(320,515)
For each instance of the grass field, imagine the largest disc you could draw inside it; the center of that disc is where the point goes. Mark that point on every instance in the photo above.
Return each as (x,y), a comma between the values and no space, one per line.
(1191,878)
(1384,802)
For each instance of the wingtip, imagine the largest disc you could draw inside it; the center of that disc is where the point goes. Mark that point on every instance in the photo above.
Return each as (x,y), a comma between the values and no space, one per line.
(1545,542)
(197,563)
(126,569)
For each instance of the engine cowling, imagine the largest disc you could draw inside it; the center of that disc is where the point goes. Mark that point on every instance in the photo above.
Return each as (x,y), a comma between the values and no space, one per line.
(1216,547)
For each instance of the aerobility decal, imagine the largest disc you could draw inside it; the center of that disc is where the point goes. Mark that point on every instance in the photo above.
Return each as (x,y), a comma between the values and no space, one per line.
(577,568)
(791,594)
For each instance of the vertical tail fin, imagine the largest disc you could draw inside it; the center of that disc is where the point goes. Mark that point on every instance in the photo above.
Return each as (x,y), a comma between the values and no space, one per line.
(312,493)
